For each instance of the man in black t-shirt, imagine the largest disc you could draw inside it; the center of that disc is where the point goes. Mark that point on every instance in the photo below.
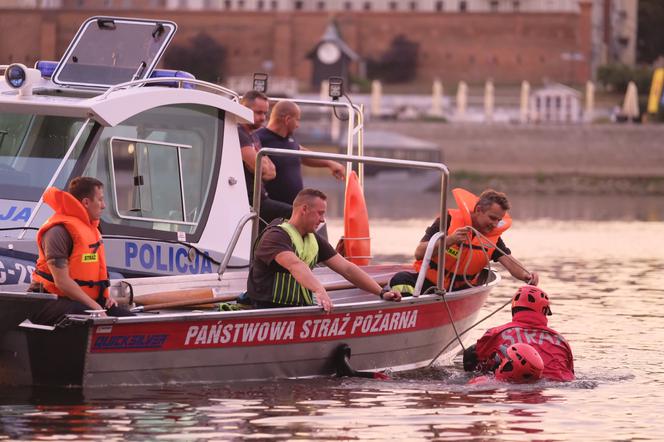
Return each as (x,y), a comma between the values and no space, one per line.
(281,272)
(284,120)
(250,144)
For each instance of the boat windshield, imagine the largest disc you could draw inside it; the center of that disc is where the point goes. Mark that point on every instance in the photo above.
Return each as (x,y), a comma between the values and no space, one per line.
(31,149)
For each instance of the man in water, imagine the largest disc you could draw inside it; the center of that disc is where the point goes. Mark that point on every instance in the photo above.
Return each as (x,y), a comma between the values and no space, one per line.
(281,274)
(530,308)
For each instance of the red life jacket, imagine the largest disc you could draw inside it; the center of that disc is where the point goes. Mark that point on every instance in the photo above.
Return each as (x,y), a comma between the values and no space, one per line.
(474,256)
(531,328)
(87,262)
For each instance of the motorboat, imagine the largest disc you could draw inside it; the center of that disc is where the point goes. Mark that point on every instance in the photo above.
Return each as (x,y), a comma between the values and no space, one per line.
(178,232)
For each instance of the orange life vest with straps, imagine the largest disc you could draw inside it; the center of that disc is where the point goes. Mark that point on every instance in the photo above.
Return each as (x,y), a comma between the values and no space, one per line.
(87,262)
(474,256)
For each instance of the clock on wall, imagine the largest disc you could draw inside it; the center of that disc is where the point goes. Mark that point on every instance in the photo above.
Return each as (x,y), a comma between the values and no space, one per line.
(328,53)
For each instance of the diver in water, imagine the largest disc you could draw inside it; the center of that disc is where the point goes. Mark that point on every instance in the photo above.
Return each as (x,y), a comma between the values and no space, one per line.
(530,308)
(521,364)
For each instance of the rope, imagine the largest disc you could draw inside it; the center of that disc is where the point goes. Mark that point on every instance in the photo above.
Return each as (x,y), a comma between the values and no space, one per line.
(484,244)
(458,335)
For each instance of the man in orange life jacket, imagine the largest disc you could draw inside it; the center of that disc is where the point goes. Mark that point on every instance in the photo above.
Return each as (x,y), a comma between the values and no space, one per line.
(530,308)
(71,262)
(467,253)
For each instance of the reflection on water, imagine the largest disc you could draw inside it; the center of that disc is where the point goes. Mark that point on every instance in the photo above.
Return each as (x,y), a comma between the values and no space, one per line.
(607,289)
(404,195)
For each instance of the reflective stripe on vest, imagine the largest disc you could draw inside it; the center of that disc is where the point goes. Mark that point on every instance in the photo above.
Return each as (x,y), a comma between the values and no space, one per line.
(286,290)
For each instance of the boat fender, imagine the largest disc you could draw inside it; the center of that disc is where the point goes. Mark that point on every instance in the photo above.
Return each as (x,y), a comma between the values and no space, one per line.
(344,369)
(356,240)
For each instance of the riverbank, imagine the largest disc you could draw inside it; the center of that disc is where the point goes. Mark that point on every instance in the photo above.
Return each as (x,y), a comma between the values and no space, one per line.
(600,158)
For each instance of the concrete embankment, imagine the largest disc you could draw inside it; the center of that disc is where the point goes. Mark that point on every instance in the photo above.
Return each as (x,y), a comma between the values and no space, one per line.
(597,159)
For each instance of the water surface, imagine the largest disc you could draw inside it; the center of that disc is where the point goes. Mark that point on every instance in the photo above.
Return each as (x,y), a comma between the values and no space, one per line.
(607,288)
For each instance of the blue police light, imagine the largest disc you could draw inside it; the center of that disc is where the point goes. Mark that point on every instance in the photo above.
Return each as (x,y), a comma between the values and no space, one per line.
(19,77)
(168,73)
(46,67)
(15,75)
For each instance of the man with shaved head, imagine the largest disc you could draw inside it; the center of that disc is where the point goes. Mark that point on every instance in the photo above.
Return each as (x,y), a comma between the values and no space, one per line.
(284,120)
(281,273)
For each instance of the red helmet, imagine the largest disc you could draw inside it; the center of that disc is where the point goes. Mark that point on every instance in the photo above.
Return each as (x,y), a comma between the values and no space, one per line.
(533,298)
(521,365)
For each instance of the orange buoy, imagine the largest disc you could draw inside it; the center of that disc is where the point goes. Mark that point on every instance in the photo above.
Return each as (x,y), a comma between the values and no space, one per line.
(357,242)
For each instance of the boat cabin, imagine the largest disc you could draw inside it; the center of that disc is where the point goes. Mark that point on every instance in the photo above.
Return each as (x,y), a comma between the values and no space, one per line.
(164,144)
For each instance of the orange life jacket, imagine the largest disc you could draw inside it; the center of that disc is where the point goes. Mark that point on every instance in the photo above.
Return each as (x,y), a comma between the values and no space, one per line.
(474,256)
(87,262)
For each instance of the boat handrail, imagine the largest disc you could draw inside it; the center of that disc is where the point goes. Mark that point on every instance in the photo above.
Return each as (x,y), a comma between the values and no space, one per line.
(440,167)
(215,88)
(425,262)
(233,242)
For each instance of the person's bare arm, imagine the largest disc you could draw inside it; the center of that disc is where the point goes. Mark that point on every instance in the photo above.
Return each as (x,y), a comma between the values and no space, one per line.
(303,274)
(59,268)
(518,270)
(338,170)
(359,277)
(268,170)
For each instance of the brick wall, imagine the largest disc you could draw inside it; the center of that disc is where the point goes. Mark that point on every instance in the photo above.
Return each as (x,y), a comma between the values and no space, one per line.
(453,46)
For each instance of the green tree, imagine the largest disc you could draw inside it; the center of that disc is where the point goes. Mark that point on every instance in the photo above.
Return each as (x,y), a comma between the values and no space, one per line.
(203,56)
(650,33)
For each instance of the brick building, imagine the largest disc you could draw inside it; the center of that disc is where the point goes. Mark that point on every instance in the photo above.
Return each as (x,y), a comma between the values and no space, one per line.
(508,47)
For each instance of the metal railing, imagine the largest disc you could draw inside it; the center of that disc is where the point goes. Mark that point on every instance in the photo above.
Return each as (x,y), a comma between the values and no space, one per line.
(444,175)
(214,88)
(234,239)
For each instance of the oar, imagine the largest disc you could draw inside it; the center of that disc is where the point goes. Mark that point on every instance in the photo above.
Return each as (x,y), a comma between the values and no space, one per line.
(208,296)
(185,303)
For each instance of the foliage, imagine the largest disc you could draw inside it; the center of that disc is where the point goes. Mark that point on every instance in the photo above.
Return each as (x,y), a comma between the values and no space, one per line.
(615,77)
(650,33)
(398,64)
(203,56)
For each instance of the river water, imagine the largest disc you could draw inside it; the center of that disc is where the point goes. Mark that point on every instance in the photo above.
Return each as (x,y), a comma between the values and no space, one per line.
(606,283)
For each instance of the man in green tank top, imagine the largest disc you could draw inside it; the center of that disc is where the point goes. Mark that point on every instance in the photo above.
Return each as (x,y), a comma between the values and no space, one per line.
(287,251)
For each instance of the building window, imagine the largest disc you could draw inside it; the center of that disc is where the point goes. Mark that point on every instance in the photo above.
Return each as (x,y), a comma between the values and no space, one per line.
(440,6)
(463,6)
(393,6)
(493,6)
(240,4)
(260,5)
(516,5)
(227,4)
(413,6)
(321,6)
(298,6)
(348,6)
(273,5)
(367,6)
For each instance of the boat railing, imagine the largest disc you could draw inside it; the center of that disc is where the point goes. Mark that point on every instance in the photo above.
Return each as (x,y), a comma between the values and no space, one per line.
(397,163)
(181,82)
(426,261)
(233,242)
